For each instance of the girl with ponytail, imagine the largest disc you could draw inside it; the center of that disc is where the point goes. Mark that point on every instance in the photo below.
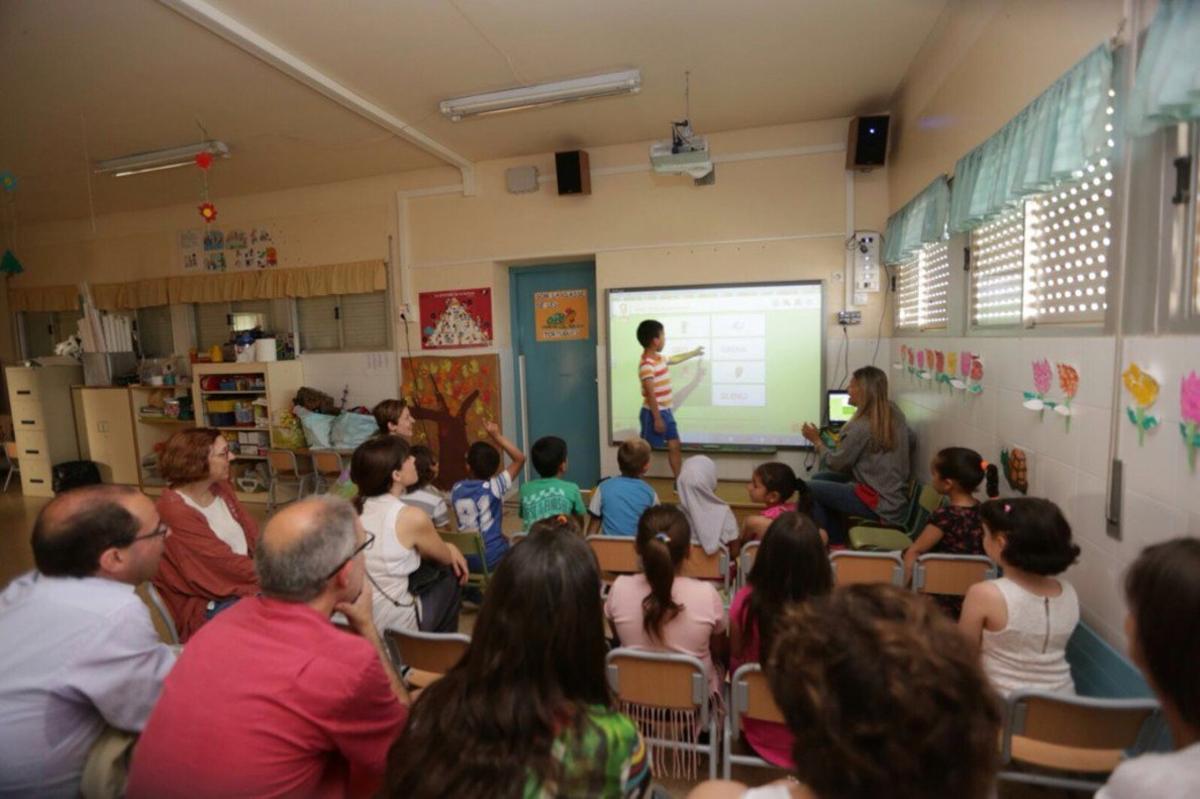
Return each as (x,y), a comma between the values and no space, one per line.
(956,527)
(659,609)
(775,485)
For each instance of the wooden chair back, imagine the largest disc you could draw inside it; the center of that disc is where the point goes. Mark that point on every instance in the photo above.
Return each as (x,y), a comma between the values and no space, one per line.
(436,653)
(939,573)
(164,624)
(1072,733)
(615,554)
(851,567)
(703,566)
(751,696)
(657,679)
(326,462)
(284,463)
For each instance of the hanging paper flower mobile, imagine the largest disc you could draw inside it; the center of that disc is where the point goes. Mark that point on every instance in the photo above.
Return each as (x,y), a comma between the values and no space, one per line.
(1068,381)
(1144,389)
(204,159)
(1189,413)
(208,211)
(1036,400)
(8,181)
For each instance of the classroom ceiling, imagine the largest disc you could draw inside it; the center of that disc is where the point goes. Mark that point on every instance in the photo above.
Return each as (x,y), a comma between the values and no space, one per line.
(85,80)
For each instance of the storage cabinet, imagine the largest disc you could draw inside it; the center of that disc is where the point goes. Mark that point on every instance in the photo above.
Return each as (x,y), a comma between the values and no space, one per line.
(105,423)
(40,398)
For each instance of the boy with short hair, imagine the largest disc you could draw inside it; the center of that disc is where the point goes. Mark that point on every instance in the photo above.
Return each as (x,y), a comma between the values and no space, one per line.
(551,495)
(657,418)
(479,500)
(619,502)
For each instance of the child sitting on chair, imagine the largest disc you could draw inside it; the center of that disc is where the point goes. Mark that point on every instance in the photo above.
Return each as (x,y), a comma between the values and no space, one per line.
(618,502)
(773,485)
(955,528)
(551,495)
(479,499)
(424,494)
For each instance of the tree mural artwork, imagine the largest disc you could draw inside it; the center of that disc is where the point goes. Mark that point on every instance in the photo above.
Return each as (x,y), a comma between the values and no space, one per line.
(451,398)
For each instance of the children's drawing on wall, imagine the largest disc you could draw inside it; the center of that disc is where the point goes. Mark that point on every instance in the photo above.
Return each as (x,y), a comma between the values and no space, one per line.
(235,240)
(191,249)
(214,262)
(1037,400)
(1144,390)
(451,397)
(1068,381)
(1015,463)
(456,319)
(561,315)
(215,250)
(214,240)
(1189,415)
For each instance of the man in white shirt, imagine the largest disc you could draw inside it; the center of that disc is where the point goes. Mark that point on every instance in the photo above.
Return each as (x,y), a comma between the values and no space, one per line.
(78,650)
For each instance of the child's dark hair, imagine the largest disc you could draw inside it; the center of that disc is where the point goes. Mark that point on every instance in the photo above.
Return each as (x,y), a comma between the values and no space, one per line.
(1162,588)
(778,477)
(648,330)
(792,565)
(548,453)
(968,469)
(632,456)
(560,524)
(483,459)
(1039,537)
(425,462)
(372,465)
(663,539)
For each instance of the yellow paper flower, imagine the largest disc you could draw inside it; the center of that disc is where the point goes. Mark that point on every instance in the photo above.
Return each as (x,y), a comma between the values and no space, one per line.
(951,363)
(1142,386)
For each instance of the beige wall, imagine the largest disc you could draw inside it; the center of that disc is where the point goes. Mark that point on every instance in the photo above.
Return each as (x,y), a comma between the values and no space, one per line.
(983,63)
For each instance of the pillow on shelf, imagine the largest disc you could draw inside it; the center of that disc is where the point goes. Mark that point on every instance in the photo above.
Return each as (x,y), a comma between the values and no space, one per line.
(352,429)
(318,428)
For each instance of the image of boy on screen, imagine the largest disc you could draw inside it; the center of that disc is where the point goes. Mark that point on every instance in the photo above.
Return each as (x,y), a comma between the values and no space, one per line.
(619,502)
(550,495)
(657,419)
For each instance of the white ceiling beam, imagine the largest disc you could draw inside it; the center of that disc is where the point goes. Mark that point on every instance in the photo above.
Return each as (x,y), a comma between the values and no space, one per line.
(262,48)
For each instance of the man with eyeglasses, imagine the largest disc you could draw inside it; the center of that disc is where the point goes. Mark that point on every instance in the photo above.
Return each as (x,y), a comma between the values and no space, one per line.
(78,651)
(271,698)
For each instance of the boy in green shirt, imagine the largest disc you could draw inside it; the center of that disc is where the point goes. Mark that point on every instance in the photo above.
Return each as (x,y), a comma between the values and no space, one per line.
(551,495)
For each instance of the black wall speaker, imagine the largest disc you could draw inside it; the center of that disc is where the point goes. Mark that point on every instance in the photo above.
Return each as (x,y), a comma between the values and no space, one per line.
(574,176)
(868,143)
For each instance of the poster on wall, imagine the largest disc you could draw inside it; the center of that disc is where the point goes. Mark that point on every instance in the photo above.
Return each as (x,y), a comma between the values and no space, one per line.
(451,397)
(456,319)
(561,315)
(216,250)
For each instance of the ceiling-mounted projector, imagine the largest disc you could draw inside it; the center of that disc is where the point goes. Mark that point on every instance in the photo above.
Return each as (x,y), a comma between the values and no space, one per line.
(685,154)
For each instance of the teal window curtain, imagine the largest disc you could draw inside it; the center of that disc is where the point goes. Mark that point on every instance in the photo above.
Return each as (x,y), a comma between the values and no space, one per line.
(1050,141)
(922,220)
(1166,89)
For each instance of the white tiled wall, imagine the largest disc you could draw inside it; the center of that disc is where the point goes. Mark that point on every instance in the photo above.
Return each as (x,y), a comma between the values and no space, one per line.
(1161,497)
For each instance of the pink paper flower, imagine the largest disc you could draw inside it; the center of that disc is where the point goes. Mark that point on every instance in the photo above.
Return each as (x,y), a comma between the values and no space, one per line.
(964,363)
(920,359)
(1042,376)
(1189,398)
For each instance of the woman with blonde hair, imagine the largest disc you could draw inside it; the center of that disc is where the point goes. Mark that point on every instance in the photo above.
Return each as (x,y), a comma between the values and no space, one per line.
(869,467)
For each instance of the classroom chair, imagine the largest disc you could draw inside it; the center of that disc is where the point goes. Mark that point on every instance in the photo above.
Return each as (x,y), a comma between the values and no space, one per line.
(667,696)
(427,655)
(1071,735)
(745,562)
(327,468)
(471,543)
(13,462)
(164,624)
(283,469)
(943,573)
(703,566)
(851,567)
(875,535)
(749,698)
(616,555)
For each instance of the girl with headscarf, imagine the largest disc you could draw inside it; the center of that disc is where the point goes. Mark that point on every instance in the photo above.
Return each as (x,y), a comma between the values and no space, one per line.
(711,520)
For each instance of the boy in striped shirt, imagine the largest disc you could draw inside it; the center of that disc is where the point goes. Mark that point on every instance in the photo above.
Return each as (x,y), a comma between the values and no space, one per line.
(658,421)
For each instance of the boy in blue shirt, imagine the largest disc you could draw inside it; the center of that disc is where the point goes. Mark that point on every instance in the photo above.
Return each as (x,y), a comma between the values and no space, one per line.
(479,500)
(618,502)
(551,495)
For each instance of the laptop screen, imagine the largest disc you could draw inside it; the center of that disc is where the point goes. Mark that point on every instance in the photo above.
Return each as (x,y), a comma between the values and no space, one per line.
(838,409)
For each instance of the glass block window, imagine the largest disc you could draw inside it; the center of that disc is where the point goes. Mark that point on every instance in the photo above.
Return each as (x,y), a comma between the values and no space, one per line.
(922,289)
(908,295)
(998,270)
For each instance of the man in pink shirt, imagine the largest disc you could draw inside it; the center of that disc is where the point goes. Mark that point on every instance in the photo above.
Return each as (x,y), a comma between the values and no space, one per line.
(270,698)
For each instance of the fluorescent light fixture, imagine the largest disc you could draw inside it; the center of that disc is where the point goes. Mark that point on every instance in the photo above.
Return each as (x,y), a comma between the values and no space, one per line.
(543,94)
(159,160)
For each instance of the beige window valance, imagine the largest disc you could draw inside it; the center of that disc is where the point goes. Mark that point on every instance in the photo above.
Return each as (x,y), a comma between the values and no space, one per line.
(358,277)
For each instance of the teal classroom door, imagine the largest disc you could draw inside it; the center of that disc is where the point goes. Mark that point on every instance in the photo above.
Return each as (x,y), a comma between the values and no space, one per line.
(560,388)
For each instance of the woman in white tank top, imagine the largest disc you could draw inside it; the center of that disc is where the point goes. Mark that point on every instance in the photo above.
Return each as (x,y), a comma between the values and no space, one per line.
(1021,623)
(383,469)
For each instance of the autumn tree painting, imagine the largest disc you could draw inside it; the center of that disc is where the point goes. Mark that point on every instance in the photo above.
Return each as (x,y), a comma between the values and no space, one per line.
(451,398)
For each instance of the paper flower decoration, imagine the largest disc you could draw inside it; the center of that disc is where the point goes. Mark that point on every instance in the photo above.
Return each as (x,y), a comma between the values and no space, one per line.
(208,211)
(8,181)
(951,363)
(1144,390)
(976,371)
(9,264)
(1068,381)
(940,359)
(1036,400)
(920,359)
(1016,469)
(1189,413)
(204,159)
